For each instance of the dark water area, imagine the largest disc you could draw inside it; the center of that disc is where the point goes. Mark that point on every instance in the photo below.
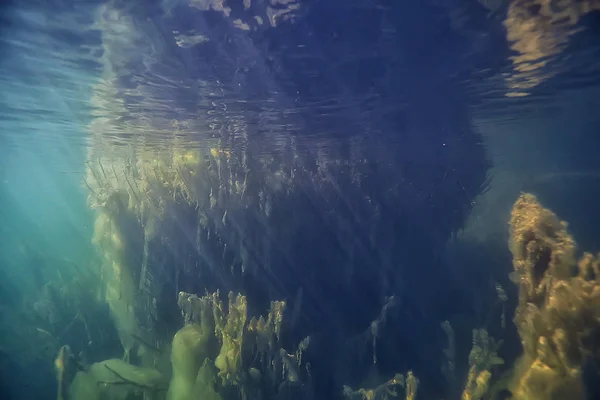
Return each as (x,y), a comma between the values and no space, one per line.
(299,199)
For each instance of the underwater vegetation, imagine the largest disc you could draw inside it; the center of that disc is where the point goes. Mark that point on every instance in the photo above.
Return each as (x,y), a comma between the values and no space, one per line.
(222,350)
(558,314)
(263,262)
(267,184)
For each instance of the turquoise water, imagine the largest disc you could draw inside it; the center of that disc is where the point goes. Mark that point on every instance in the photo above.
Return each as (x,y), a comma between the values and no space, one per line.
(347,170)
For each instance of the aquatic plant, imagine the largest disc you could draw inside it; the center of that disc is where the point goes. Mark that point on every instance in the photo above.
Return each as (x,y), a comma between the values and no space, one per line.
(558,314)
(482,359)
(115,235)
(386,390)
(191,348)
(219,350)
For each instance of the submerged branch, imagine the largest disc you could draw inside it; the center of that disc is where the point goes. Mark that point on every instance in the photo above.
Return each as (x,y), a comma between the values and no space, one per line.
(125,381)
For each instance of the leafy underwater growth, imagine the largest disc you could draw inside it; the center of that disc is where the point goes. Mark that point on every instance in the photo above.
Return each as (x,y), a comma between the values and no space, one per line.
(208,352)
(387,390)
(483,357)
(559,304)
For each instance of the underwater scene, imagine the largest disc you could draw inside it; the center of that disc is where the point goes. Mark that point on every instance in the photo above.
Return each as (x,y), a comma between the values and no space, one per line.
(300,199)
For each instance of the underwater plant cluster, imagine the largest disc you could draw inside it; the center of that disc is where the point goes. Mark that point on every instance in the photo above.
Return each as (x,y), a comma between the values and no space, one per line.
(276,190)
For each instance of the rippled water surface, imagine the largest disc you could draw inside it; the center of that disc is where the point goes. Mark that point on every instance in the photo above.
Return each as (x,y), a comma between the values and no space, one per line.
(182,68)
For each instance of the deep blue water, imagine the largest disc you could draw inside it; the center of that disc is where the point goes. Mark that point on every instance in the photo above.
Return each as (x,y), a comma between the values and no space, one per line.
(357,159)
